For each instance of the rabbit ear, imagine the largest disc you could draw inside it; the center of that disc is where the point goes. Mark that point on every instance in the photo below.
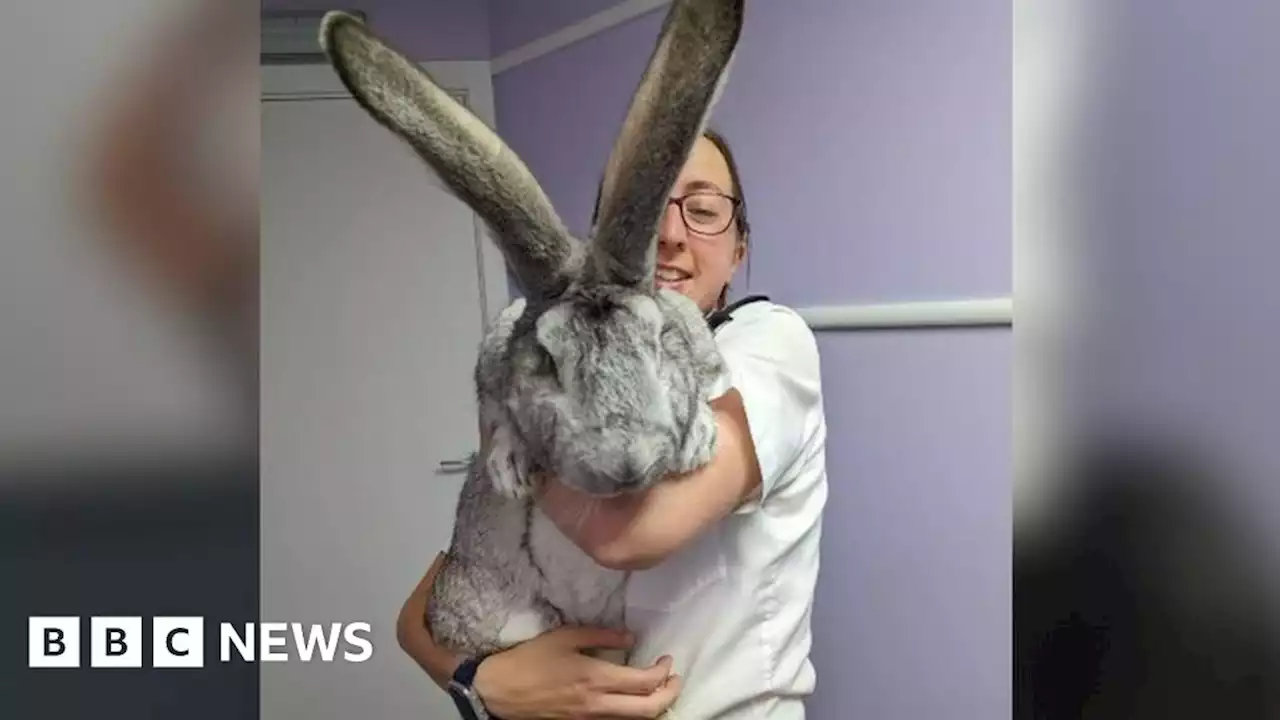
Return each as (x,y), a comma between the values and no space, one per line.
(667,114)
(471,159)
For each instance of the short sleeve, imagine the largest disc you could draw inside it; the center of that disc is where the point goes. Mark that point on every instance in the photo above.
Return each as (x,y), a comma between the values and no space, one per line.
(772,360)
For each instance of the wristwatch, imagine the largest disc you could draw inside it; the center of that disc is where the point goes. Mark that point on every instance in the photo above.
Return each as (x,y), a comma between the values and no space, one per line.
(462,690)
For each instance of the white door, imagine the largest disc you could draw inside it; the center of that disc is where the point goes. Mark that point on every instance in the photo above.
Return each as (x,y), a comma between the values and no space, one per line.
(376,283)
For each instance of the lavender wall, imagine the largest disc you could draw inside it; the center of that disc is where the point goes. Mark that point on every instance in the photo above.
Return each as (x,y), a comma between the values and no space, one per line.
(425,29)
(516,22)
(914,597)
(875,139)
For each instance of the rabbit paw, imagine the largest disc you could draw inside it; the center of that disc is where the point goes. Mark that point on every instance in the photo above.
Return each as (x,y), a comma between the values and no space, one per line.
(700,443)
(506,466)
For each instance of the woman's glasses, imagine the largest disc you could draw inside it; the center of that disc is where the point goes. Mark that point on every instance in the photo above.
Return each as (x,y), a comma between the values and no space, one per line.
(707,213)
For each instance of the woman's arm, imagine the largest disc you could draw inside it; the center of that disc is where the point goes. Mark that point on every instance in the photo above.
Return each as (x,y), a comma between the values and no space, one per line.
(763,423)
(548,676)
(637,532)
(415,639)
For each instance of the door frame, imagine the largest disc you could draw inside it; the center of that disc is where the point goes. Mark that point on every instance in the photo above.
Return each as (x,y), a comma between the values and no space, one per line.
(471,83)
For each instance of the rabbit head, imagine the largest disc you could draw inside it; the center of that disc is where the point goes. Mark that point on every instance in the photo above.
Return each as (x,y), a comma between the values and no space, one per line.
(602,377)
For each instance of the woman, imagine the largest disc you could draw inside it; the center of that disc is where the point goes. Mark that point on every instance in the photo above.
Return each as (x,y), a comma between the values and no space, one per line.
(725,559)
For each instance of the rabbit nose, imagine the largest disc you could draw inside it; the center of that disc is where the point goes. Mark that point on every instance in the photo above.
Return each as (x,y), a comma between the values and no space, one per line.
(632,478)
(639,466)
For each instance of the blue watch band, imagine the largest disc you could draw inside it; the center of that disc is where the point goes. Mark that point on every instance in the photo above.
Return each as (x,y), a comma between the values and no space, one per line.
(466,672)
(462,690)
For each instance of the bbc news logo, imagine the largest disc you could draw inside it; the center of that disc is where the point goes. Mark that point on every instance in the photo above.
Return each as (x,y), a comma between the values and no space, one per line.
(179,642)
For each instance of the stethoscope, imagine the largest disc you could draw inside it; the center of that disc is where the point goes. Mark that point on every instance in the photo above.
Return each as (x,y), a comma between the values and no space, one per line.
(716,318)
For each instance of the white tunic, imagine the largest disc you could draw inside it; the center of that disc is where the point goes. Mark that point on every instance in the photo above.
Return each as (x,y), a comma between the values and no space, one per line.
(733,607)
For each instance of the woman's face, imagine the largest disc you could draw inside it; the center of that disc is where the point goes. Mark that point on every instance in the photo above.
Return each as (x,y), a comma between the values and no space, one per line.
(699,263)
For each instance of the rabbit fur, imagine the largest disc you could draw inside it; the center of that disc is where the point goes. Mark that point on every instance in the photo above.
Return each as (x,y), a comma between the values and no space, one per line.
(596,377)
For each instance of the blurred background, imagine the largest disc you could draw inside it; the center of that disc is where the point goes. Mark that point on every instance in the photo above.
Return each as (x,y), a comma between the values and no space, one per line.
(128,361)
(1103,473)
(139,106)
(1146,541)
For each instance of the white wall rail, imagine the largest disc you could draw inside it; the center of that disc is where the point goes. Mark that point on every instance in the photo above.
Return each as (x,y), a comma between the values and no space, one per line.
(979,312)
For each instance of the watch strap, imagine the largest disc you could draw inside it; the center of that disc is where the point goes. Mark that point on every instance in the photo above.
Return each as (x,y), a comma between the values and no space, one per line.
(462,690)
(466,672)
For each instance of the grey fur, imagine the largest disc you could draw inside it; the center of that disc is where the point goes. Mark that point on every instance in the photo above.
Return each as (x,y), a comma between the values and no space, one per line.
(468,155)
(668,112)
(597,378)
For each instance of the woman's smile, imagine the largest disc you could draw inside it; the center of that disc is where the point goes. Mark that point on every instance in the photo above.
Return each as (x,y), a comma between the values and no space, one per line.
(672,277)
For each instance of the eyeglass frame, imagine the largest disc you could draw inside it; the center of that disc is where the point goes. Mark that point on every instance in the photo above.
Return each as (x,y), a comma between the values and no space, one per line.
(734,202)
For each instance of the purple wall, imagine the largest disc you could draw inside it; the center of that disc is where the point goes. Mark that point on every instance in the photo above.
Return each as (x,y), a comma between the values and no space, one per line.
(877,155)
(905,109)
(516,22)
(561,112)
(914,598)
(425,29)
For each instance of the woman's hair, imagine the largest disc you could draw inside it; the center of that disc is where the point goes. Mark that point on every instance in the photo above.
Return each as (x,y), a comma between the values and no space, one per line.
(740,212)
(740,219)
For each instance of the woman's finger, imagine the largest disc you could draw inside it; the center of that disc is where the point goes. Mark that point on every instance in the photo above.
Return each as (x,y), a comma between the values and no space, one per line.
(641,707)
(611,678)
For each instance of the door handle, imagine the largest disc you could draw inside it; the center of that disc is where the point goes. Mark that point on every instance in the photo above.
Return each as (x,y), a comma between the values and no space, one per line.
(451,467)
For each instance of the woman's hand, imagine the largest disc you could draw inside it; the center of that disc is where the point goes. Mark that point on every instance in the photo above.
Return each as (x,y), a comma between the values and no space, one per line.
(548,676)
